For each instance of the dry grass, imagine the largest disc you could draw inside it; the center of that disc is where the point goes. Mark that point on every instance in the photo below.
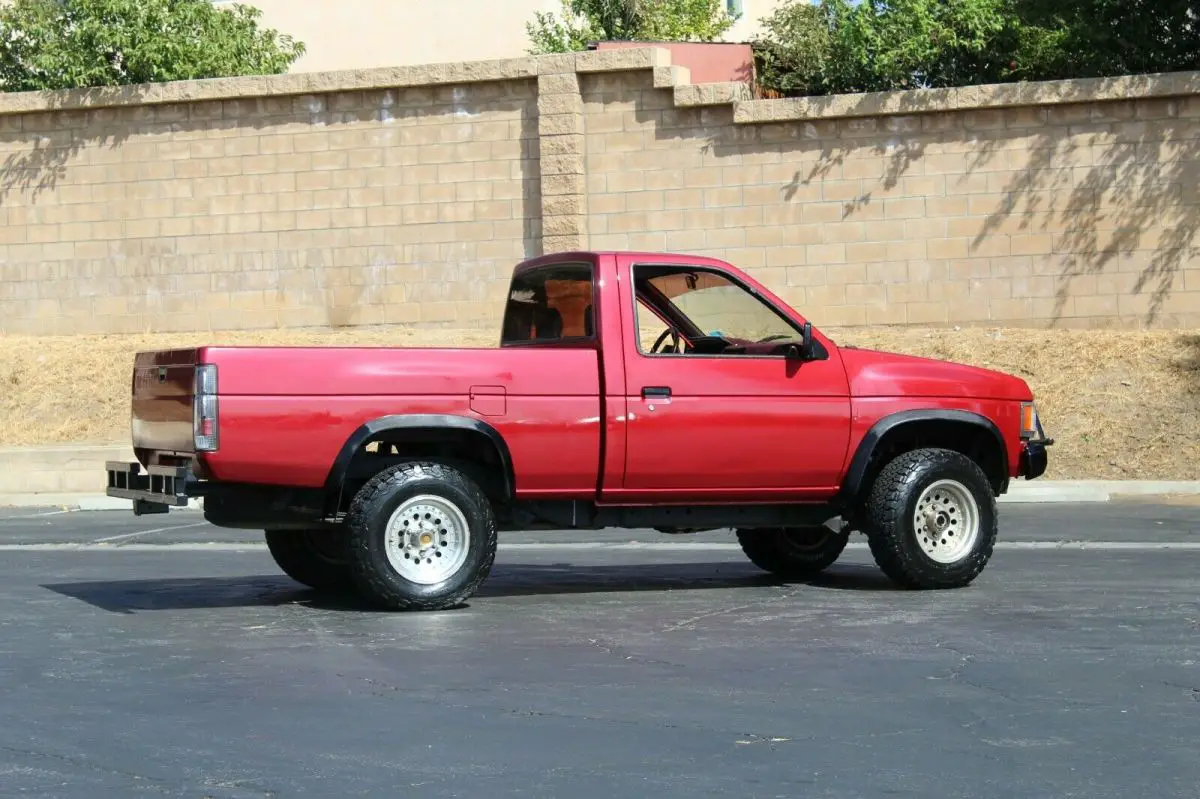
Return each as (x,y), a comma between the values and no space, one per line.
(1122,404)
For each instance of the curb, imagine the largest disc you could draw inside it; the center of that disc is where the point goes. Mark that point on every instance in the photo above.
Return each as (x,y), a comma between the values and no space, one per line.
(77,502)
(1020,492)
(1038,491)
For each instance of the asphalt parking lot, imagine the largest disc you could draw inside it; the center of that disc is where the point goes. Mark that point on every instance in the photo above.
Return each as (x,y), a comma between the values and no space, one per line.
(162,657)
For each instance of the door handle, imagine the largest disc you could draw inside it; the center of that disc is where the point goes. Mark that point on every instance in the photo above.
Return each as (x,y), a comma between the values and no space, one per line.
(658,392)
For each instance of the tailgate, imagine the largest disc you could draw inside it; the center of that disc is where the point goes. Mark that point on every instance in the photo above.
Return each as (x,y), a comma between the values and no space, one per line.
(163,390)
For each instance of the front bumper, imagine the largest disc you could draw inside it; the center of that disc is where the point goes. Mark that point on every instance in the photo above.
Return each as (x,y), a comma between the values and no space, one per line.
(1033,460)
(157,490)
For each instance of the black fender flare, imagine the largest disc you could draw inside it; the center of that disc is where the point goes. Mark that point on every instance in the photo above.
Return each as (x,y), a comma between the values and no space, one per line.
(866,448)
(418,421)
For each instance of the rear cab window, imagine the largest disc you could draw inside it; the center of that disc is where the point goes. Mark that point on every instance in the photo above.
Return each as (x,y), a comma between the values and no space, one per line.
(551,305)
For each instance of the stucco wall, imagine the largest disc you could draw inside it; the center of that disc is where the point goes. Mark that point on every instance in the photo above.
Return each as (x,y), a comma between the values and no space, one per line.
(361,34)
(406,195)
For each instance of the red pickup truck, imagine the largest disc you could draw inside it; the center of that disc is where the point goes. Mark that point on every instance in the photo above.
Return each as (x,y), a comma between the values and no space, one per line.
(628,390)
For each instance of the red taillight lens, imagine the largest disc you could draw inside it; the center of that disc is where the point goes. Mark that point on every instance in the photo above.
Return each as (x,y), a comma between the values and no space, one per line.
(204,403)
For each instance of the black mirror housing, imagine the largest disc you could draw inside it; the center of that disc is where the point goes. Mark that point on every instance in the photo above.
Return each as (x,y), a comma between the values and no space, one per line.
(808,349)
(806,343)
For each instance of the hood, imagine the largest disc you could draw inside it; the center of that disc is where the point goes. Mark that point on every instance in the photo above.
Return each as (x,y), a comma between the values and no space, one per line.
(885,374)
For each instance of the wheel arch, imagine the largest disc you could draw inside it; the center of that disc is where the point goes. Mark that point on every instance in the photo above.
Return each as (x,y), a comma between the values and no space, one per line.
(467,439)
(970,433)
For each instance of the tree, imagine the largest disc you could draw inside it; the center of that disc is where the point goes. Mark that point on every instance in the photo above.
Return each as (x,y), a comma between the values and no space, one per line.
(62,44)
(836,46)
(586,21)
(1097,38)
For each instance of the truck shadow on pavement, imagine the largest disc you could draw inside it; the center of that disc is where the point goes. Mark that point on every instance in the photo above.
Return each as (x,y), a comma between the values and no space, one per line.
(516,580)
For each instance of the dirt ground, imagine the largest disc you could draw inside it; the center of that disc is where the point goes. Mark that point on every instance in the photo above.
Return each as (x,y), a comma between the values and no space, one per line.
(1121,404)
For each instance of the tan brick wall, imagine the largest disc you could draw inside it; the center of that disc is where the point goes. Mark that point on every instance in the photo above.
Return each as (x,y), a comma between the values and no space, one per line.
(408,205)
(406,195)
(1074,215)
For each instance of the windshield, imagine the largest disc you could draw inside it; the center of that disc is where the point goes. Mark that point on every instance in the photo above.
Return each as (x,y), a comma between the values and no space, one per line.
(717,306)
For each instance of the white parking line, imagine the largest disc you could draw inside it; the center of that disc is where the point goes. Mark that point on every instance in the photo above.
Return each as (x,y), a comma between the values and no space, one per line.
(254,546)
(35,515)
(128,536)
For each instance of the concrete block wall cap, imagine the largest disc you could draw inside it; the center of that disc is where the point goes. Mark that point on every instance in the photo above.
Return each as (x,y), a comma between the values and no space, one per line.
(300,83)
(670,77)
(623,59)
(708,94)
(967,98)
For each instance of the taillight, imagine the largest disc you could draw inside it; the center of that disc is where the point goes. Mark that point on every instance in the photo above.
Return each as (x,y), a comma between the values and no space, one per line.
(204,409)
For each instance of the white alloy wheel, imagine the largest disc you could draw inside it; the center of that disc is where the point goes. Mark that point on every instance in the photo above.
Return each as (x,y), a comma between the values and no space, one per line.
(427,539)
(946,521)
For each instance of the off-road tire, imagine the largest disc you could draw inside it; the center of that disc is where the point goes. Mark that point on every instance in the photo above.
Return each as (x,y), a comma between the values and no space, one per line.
(892,531)
(367,520)
(792,553)
(312,557)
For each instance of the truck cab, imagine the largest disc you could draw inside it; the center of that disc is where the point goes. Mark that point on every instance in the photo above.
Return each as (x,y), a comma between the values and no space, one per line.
(626,390)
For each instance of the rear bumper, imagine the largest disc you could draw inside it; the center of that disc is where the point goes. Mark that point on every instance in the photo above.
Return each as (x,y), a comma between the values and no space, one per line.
(156,489)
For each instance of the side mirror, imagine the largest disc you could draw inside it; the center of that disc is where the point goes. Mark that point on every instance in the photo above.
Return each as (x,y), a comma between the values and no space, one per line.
(804,350)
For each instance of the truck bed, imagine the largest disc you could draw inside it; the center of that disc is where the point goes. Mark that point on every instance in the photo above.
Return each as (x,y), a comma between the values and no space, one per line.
(285,413)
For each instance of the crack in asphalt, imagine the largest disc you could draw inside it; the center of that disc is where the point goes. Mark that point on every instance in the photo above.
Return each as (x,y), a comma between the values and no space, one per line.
(733,609)
(156,783)
(618,651)
(958,672)
(1189,691)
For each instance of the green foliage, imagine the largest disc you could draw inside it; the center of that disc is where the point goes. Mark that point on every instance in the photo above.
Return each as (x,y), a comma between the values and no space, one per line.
(585,21)
(60,44)
(1097,38)
(836,46)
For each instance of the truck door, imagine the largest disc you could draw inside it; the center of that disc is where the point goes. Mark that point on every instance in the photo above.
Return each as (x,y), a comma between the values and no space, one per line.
(716,410)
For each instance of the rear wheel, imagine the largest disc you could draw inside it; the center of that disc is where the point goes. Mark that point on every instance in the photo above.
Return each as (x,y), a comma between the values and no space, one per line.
(423,537)
(793,553)
(312,557)
(931,520)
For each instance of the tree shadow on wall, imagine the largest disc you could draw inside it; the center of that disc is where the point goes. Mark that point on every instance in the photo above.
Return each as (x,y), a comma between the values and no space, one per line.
(1128,208)
(52,138)
(341,245)
(1112,186)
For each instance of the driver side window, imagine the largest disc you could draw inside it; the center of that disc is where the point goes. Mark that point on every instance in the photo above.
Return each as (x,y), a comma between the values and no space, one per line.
(702,311)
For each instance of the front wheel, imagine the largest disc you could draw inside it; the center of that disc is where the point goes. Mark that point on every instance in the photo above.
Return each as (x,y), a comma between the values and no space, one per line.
(794,554)
(930,519)
(422,537)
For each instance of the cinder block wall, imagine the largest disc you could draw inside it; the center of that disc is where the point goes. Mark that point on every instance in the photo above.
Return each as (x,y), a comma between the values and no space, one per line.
(406,195)
(1076,214)
(404,205)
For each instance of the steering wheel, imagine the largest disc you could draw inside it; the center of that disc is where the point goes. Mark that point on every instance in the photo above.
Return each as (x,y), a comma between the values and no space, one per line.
(674,335)
(771,338)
